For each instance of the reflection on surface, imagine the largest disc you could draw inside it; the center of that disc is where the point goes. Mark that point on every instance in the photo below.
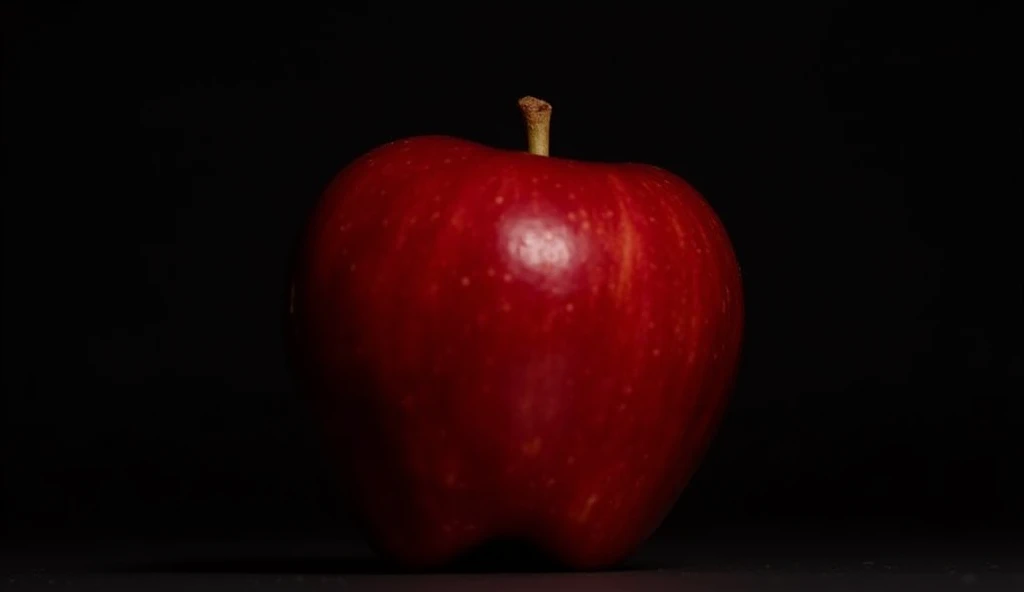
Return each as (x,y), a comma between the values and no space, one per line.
(668,580)
(750,563)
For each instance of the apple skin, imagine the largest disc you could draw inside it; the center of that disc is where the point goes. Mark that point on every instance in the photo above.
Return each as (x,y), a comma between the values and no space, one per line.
(507,345)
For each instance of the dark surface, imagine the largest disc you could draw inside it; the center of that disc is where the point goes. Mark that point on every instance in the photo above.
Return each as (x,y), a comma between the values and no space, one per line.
(739,561)
(158,162)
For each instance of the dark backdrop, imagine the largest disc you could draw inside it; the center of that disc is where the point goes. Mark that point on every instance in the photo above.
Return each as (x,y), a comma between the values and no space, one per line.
(158,163)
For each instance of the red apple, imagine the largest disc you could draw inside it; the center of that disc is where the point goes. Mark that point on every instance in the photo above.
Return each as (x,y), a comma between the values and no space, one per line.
(510,345)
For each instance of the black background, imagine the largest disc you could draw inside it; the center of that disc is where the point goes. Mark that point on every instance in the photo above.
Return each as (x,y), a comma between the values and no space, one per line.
(159,160)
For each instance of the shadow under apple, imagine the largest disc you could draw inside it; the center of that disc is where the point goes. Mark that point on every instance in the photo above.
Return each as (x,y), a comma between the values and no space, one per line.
(499,556)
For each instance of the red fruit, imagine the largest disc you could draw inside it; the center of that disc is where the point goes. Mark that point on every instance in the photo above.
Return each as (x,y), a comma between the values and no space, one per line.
(505,344)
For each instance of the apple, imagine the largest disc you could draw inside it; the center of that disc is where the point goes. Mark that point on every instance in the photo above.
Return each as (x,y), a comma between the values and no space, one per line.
(507,345)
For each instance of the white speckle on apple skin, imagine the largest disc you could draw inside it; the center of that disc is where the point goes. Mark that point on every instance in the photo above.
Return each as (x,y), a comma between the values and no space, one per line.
(465,281)
(490,272)
(569,307)
(532,446)
(499,200)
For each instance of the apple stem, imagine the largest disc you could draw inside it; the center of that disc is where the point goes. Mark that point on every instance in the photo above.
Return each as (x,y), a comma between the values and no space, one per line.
(537,114)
